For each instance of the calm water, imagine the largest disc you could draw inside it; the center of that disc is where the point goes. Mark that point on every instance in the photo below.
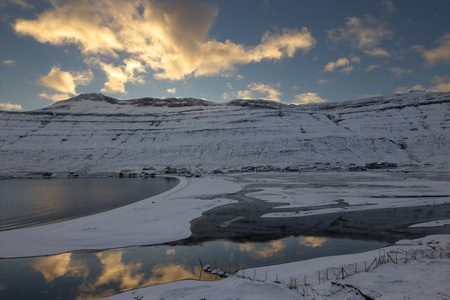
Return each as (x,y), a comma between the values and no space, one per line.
(25,202)
(96,274)
(91,275)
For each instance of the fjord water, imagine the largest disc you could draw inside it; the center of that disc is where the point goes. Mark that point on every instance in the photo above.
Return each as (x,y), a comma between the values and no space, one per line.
(26,202)
(95,274)
(92,275)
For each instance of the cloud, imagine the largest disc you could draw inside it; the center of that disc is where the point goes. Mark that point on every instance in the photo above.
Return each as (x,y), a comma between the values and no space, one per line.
(22,3)
(260,91)
(10,106)
(306,98)
(388,6)
(9,62)
(55,97)
(372,67)
(363,34)
(171,91)
(341,63)
(323,81)
(399,72)
(440,84)
(439,54)
(169,38)
(65,82)
(118,76)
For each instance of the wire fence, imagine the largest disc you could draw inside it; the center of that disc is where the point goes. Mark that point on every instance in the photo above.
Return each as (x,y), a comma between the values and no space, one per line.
(304,286)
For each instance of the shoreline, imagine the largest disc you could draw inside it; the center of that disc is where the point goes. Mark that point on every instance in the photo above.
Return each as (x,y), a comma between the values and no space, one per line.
(231,207)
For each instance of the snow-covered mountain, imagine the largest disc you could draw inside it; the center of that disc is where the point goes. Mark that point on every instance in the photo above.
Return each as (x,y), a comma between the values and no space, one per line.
(92,132)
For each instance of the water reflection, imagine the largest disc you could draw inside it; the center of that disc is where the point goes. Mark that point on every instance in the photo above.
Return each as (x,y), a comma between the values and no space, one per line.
(263,252)
(312,241)
(52,267)
(98,274)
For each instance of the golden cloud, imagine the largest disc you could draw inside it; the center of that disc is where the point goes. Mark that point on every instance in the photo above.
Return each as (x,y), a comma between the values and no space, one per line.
(343,63)
(363,34)
(306,98)
(439,54)
(10,106)
(63,81)
(260,91)
(169,38)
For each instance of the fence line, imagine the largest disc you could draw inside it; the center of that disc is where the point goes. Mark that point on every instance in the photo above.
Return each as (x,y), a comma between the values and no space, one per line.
(305,287)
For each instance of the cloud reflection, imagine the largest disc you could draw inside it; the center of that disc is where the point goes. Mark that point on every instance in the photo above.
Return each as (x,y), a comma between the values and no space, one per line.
(52,267)
(272,249)
(312,241)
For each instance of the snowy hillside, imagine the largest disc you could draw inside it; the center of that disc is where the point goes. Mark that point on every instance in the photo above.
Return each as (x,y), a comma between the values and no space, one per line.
(92,132)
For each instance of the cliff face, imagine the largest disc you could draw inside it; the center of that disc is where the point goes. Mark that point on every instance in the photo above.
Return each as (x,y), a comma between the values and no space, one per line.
(97,133)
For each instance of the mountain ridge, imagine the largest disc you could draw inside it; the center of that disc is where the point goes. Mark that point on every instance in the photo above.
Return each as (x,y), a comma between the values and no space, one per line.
(94,132)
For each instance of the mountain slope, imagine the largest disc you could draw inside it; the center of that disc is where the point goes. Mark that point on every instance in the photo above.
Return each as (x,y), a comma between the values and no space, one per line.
(93,132)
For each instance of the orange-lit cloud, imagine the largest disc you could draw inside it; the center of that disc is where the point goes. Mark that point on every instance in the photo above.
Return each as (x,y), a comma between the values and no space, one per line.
(439,85)
(169,38)
(344,64)
(10,106)
(260,91)
(65,82)
(439,54)
(305,98)
(363,34)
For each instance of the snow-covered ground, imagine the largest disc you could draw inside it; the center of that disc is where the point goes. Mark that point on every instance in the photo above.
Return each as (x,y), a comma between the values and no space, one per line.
(159,219)
(91,133)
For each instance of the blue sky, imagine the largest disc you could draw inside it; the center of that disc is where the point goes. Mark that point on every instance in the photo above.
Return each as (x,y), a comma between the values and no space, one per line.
(291,51)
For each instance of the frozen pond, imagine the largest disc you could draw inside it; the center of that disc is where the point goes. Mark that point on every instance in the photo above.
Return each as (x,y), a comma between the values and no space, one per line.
(90,275)
(25,202)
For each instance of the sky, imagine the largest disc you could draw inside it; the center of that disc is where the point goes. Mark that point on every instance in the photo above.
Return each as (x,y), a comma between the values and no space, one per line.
(290,51)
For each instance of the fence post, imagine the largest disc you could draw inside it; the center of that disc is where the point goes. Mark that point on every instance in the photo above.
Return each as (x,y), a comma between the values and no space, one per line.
(319,277)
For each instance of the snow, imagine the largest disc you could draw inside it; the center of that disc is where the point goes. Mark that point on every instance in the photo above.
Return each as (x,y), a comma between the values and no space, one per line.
(438,223)
(92,133)
(158,219)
